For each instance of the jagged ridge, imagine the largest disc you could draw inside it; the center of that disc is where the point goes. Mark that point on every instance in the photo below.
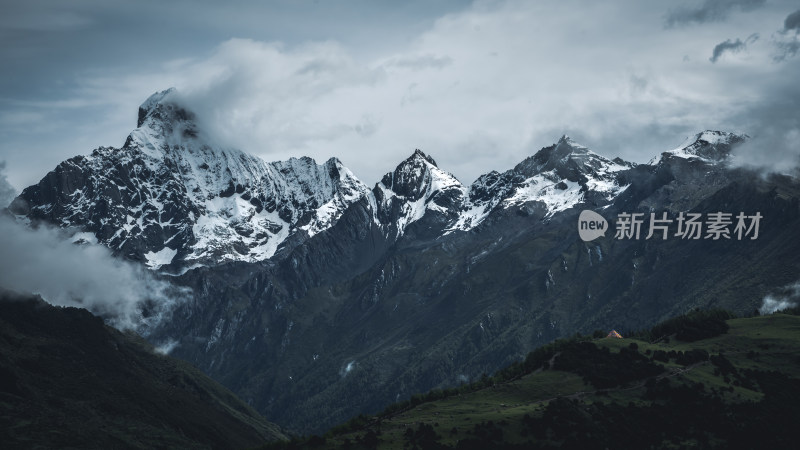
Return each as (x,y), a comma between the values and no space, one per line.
(170,196)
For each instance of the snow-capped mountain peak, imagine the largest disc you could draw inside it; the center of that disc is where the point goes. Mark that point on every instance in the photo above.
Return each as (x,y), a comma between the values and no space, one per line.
(566,140)
(556,178)
(416,175)
(708,146)
(416,187)
(162,117)
(149,106)
(419,154)
(171,197)
(569,159)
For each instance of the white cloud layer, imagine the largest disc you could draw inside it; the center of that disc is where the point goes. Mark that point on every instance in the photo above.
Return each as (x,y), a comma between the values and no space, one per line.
(7,191)
(43,261)
(788,298)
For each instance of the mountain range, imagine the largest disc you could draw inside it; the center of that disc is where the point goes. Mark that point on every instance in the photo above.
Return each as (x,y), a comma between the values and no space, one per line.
(173,199)
(316,298)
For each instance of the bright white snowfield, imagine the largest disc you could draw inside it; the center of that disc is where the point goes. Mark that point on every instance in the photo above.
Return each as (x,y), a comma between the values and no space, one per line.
(543,184)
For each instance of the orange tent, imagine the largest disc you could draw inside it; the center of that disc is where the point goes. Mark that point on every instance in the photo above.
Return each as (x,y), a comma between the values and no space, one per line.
(614,334)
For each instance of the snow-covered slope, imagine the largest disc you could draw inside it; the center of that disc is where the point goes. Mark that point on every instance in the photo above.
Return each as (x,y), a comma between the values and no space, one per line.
(707,146)
(417,187)
(171,196)
(557,177)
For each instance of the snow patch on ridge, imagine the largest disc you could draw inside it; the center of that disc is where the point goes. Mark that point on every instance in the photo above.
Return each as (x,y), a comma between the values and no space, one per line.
(233,219)
(544,178)
(691,147)
(471,218)
(542,188)
(160,258)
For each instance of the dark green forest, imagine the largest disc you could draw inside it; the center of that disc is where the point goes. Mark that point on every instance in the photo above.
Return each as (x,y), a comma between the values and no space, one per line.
(700,380)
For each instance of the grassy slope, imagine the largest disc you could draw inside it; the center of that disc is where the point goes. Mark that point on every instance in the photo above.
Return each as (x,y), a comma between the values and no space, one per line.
(67,380)
(767,343)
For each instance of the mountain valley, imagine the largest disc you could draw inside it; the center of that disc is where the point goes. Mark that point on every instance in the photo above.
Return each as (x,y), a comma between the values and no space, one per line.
(316,298)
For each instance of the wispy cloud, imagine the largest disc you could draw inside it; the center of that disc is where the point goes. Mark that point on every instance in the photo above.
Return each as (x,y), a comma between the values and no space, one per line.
(419,62)
(786,40)
(731,47)
(787,297)
(786,49)
(7,191)
(44,262)
(710,11)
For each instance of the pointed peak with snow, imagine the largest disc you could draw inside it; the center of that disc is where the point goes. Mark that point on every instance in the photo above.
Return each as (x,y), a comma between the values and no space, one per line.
(165,123)
(334,162)
(565,140)
(709,146)
(159,100)
(415,188)
(414,176)
(419,154)
(569,159)
(566,146)
(556,178)
(182,200)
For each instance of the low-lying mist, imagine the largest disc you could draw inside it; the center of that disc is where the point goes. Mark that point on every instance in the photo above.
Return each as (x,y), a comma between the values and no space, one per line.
(787,297)
(7,191)
(45,261)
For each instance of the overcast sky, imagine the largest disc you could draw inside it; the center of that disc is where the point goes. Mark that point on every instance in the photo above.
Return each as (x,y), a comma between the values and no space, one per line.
(478,85)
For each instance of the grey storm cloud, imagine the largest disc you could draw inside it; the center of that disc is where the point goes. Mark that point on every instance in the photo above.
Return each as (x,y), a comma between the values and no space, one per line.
(785,40)
(731,47)
(774,125)
(792,22)
(710,11)
(786,49)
